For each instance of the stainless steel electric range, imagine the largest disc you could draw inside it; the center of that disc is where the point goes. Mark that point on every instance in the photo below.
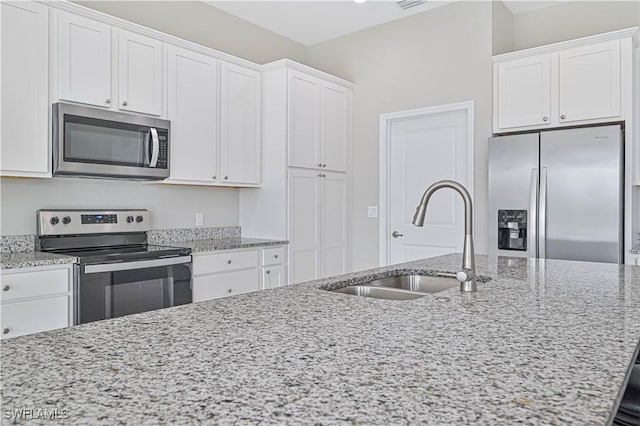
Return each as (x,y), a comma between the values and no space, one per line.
(118,272)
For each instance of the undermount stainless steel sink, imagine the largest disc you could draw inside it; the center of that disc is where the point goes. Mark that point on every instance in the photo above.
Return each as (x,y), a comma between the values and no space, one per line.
(379,292)
(417,283)
(402,287)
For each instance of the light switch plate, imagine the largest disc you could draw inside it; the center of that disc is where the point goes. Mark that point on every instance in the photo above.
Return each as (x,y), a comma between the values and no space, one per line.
(372,211)
(199,219)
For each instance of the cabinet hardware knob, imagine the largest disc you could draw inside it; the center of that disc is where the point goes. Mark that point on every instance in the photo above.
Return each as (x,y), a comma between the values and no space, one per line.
(319,164)
(268,271)
(226,177)
(563,116)
(229,291)
(124,103)
(107,101)
(229,262)
(5,331)
(215,177)
(6,288)
(545,118)
(324,165)
(275,256)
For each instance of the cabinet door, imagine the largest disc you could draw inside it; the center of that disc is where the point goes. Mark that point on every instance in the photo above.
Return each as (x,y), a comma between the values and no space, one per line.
(333,225)
(24,146)
(524,92)
(192,107)
(304,120)
(216,286)
(34,316)
(240,154)
(589,85)
(304,234)
(335,127)
(140,73)
(84,48)
(273,277)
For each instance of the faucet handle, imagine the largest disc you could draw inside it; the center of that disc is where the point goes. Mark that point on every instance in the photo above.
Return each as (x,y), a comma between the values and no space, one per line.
(465,275)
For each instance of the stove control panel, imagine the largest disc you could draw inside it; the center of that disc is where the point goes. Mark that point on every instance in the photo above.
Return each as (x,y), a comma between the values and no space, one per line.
(71,222)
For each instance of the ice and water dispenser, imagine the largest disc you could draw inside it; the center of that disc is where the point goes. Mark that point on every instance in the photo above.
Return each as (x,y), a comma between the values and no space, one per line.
(512,230)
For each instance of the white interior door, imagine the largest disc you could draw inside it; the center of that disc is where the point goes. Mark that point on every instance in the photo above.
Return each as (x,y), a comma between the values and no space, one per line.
(423,149)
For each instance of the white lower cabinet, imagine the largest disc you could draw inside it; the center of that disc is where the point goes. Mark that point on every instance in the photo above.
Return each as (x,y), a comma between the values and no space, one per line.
(34,300)
(230,272)
(225,284)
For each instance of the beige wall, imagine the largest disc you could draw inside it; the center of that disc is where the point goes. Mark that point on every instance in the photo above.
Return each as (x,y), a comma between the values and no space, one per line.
(198,22)
(501,28)
(571,20)
(433,58)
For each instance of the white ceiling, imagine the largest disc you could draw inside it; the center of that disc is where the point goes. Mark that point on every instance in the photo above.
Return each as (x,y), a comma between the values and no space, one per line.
(312,21)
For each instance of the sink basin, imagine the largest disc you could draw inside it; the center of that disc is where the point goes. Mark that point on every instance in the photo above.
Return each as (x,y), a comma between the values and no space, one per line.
(416,283)
(379,292)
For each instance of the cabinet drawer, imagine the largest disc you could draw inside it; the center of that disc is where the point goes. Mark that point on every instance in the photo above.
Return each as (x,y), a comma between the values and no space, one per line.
(223,285)
(34,316)
(273,256)
(32,284)
(223,262)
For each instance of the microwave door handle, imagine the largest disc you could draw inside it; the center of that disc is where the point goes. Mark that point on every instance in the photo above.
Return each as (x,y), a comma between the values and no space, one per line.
(146,146)
(156,147)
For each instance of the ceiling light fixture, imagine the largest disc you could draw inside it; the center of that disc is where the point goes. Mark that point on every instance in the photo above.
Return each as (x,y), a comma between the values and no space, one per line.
(406,4)
(359,1)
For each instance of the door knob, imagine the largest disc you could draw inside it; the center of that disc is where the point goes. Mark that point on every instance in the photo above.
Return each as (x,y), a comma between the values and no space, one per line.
(396,234)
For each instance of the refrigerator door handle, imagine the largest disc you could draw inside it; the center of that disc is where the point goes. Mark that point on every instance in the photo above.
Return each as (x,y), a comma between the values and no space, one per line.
(533,214)
(542,215)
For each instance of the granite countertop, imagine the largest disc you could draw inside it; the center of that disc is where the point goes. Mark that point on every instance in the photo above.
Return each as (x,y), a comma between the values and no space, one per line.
(29,259)
(201,246)
(543,342)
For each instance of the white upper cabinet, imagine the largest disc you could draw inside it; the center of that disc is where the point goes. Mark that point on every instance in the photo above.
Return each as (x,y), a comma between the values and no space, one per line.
(524,104)
(577,82)
(240,153)
(589,85)
(304,120)
(319,114)
(335,126)
(84,60)
(193,111)
(24,145)
(139,73)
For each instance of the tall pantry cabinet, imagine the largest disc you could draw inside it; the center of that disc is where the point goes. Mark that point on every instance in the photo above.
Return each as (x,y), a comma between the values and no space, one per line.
(305,190)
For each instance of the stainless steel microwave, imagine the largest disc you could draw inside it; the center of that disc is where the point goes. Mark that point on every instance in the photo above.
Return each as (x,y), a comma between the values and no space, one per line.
(98,143)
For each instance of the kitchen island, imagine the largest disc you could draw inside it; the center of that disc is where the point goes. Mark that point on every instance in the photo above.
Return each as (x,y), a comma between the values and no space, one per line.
(543,342)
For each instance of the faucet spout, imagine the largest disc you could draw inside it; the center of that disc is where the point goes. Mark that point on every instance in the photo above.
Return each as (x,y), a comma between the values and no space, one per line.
(467,276)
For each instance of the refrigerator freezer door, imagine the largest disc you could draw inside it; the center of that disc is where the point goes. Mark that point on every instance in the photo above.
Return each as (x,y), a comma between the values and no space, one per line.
(513,191)
(584,194)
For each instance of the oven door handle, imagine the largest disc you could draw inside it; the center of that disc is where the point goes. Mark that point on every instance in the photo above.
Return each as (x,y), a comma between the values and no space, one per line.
(142,264)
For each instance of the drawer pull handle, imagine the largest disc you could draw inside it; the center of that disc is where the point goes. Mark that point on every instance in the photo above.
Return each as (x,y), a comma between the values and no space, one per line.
(229,262)
(5,331)
(6,288)
(229,291)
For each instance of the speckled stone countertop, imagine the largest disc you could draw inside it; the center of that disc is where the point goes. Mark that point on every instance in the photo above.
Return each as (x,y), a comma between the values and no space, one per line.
(29,259)
(202,246)
(543,342)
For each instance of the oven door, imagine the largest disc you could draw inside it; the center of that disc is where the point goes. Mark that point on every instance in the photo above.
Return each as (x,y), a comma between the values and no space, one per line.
(116,289)
(92,142)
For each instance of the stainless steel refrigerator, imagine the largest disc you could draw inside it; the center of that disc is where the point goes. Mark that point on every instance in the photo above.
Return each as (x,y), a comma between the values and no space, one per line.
(558,194)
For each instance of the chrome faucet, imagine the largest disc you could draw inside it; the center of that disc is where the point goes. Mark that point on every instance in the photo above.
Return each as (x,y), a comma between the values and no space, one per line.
(467,275)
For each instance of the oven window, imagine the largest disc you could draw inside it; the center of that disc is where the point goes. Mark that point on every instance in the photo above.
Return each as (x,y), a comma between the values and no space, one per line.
(90,140)
(114,294)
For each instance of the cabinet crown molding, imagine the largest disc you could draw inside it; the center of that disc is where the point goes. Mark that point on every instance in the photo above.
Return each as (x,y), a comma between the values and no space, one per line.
(289,64)
(632,32)
(119,23)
